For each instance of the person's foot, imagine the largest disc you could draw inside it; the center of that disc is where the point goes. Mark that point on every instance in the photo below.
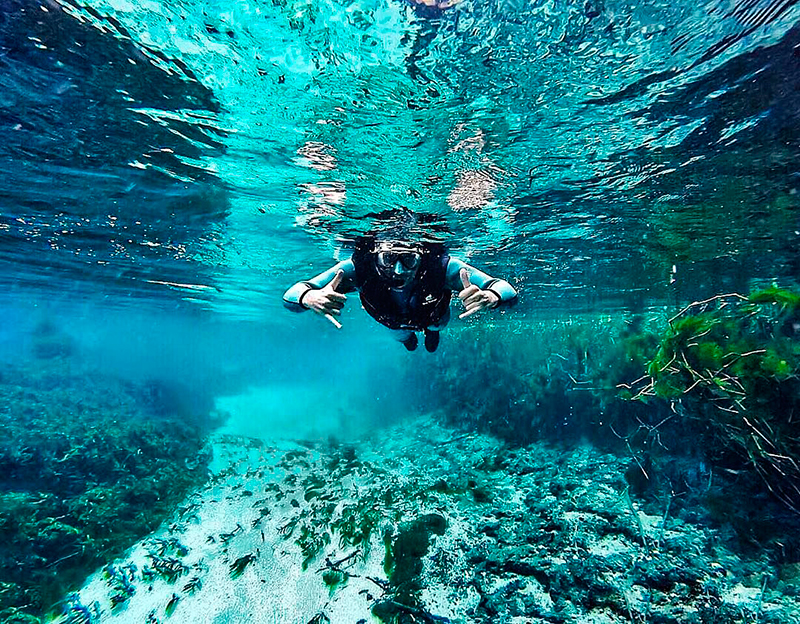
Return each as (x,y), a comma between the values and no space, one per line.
(412,341)
(431,340)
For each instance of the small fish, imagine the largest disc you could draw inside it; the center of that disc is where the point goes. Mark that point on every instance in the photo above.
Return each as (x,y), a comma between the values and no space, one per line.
(173,602)
(239,566)
(193,585)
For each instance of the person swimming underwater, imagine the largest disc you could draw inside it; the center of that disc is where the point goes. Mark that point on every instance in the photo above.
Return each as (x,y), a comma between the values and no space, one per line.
(404,285)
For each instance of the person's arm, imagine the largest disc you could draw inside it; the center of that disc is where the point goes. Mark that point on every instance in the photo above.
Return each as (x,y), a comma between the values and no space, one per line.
(324,293)
(478,290)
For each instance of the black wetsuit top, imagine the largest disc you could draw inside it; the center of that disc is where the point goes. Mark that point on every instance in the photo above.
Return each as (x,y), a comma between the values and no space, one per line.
(425,303)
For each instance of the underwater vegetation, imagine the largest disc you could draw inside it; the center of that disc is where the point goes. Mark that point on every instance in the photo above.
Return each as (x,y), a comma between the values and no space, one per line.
(403,562)
(462,528)
(529,381)
(86,469)
(553,535)
(717,384)
(335,507)
(336,513)
(729,367)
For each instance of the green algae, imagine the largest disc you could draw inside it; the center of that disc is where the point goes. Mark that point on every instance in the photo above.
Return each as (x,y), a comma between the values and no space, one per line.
(86,470)
(334,579)
(405,550)
(716,384)
(729,367)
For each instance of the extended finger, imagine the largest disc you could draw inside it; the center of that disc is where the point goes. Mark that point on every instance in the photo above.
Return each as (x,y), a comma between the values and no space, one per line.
(469,312)
(337,296)
(480,304)
(464,275)
(337,279)
(467,292)
(338,305)
(336,323)
(477,297)
(331,310)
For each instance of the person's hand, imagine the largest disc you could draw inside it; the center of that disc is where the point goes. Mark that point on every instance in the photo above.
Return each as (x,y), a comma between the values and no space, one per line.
(326,301)
(473,298)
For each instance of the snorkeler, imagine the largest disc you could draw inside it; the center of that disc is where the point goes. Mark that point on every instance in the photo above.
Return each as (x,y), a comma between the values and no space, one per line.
(403,285)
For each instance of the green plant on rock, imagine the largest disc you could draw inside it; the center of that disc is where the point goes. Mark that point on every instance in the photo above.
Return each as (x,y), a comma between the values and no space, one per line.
(405,549)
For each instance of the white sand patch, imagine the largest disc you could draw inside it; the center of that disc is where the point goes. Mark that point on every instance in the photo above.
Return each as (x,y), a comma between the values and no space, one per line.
(218,530)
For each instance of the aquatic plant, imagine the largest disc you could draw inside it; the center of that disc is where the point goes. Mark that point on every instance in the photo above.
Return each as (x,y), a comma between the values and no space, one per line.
(405,550)
(192,585)
(171,605)
(75,612)
(311,542)
(334,579)
(716,391)
(168,568)
(357,521)
(530,381)
(344,501)
(730,365)
(85,471)
(168,546)
(120,580)
(226,537)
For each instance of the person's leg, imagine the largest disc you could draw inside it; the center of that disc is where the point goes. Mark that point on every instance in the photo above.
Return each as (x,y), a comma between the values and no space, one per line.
(432,333)
(431,340)
(407,337)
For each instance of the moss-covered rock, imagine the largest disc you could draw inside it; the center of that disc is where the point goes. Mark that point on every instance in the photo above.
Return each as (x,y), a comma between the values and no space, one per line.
(405,550)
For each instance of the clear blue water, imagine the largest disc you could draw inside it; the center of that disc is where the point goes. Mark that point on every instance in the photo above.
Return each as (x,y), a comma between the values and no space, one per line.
(170,168)
(205,155)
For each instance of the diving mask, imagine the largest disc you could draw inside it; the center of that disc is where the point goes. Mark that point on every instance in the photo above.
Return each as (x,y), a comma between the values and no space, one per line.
(408,258)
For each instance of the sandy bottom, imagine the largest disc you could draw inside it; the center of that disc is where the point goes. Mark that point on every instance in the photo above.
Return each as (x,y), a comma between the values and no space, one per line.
(532,535)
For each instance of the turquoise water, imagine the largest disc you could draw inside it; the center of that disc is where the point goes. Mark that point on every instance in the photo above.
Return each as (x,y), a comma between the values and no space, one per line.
(170,168)
(206,154)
